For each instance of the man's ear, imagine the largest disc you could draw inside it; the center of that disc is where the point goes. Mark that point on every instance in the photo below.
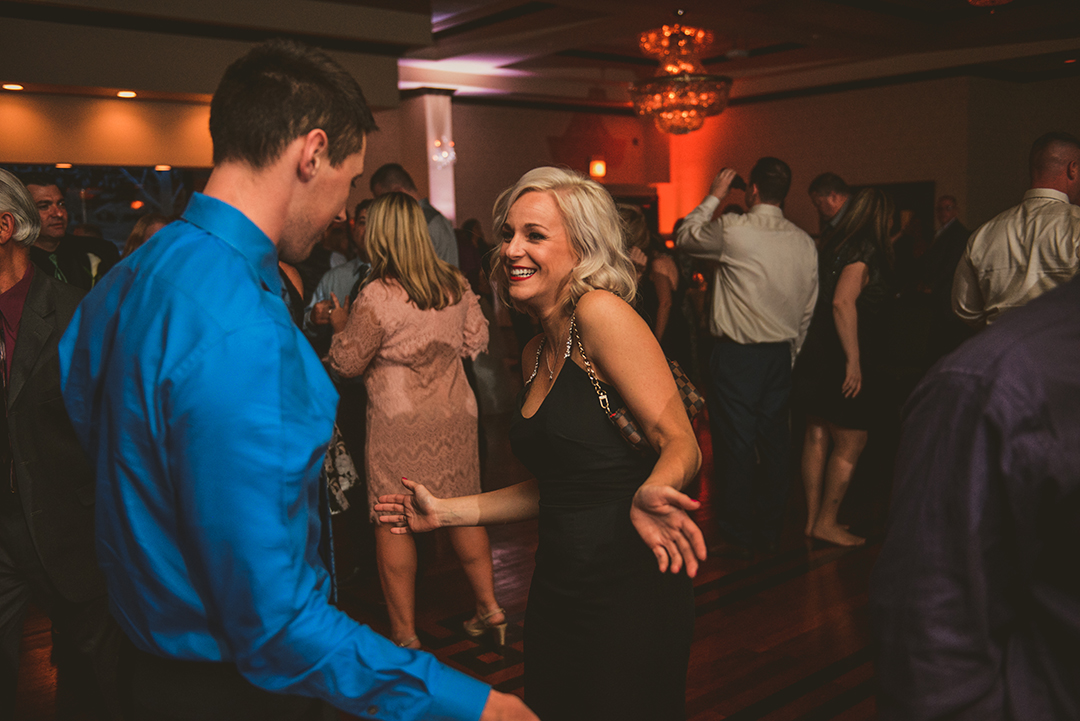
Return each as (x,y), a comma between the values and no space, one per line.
(1072,170)
(7,227)
(313,154)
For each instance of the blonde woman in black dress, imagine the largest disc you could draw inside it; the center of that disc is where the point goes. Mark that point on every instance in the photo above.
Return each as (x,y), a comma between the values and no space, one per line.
(610,611)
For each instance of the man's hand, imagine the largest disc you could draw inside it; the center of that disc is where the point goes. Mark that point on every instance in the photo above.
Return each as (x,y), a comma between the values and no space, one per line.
(320,312)
(722,183)
(339,314)
(506,707)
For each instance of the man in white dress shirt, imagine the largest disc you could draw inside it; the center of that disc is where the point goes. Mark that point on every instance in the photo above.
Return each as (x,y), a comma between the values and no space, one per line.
(1028,249)
(764,288)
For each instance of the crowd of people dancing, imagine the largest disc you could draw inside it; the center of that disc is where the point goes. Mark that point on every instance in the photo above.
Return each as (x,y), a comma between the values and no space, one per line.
(235,372)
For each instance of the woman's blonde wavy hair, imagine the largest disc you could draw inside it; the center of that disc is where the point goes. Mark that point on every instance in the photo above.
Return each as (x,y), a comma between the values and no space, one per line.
(592,226)
(400,248)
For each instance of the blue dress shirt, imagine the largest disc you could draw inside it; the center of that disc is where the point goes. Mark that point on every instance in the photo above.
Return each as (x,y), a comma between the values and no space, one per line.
(206,415)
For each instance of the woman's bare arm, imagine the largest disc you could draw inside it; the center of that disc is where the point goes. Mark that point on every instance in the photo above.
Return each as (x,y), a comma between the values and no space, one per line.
(853,278)
(626,354)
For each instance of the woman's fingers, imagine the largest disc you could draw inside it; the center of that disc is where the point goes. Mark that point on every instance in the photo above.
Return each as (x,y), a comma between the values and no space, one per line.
(673,553)
(686,553)
(661,558)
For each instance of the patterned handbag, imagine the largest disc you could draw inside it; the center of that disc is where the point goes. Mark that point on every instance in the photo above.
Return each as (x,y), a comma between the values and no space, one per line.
(621,418)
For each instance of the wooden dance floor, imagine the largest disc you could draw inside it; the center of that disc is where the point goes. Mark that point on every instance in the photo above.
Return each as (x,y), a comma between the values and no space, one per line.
(781,637)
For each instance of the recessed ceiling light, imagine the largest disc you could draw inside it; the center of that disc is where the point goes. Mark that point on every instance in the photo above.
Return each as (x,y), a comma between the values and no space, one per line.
(63,166)
(12,86)
(162,168)
(126,94)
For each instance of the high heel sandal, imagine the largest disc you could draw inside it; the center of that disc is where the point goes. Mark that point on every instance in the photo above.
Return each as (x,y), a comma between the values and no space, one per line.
(407,643)
(478,626)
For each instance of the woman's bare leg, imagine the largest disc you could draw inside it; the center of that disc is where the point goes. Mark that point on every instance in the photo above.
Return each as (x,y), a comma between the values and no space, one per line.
(814,454)
(396,556)
(474,551)
(848,445)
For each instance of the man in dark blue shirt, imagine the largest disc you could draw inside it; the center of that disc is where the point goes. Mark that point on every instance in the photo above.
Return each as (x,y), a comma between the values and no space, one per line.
(976,593)
(206,415)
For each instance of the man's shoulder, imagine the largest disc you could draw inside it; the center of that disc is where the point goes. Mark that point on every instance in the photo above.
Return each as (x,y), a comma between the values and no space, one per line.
(47,295)
(1022,344)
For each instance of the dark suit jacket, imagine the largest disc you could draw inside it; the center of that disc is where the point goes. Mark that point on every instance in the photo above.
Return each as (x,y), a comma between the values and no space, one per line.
(54,479)
(936,269)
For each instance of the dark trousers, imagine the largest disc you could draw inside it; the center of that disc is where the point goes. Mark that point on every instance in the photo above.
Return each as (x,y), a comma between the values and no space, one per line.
(750,386)
(162,689)
(86,639)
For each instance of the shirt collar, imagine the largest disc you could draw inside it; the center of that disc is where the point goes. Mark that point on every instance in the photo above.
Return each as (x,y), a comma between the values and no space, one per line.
(766,209)
(1049,193)
(835,220)
(13,299)
(230,225)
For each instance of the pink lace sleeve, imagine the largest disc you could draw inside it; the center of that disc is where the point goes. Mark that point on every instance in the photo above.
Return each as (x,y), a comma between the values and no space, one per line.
(476,327)
(353,348)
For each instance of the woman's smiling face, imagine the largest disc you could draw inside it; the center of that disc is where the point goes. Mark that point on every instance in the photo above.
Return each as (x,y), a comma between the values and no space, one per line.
(536,251)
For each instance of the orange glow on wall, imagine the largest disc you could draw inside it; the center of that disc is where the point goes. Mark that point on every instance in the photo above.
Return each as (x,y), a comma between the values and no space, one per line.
(43,128)
(597,167)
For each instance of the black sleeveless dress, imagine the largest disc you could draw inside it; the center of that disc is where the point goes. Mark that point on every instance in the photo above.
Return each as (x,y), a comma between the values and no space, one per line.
(607,636)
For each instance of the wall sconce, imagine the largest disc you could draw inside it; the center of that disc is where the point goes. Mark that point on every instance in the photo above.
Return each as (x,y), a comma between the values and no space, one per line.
(597,167)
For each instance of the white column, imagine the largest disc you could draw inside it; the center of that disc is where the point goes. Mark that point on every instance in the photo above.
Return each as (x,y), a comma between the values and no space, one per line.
(441,154)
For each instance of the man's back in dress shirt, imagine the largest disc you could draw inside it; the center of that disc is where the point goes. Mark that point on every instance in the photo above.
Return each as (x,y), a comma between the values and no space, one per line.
(975,597)
(1017,256)
(765,281)
(442,234)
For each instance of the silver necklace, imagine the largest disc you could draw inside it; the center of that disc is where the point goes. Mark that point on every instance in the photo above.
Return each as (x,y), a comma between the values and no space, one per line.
(550,365)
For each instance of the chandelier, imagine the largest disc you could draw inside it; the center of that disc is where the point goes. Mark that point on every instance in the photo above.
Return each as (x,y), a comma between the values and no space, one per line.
(681,94)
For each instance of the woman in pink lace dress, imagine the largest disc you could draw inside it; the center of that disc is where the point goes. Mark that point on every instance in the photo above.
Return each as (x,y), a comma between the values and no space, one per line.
(408,329)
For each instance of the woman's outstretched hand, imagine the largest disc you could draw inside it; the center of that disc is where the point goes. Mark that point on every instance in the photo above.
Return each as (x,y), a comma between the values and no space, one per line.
(414,512)
(659,513)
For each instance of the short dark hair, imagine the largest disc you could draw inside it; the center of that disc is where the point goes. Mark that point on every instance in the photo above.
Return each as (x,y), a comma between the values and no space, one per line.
(827,184)
(391,177)
(772,177)
(363,205)
(280,91)
(1040,160)
(42,179)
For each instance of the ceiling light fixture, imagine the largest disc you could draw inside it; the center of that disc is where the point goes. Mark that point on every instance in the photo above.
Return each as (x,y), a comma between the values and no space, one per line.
(162,168)
(63,166)
(681,94)
(12,86)
(126,94)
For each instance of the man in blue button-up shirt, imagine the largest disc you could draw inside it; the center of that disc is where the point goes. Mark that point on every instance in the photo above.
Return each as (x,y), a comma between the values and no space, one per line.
(206,415)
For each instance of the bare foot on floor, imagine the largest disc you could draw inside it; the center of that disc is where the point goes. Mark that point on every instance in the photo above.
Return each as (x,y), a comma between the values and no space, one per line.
(809,530)
(837,535)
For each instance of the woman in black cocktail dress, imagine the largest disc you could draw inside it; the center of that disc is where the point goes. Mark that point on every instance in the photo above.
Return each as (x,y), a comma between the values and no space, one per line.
(610,615)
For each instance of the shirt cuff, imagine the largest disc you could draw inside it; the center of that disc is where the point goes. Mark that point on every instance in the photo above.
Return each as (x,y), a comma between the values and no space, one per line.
(710,204)
(457,697)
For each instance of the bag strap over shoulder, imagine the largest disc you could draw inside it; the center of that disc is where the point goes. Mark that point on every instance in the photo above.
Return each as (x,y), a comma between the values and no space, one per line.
(600,395)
